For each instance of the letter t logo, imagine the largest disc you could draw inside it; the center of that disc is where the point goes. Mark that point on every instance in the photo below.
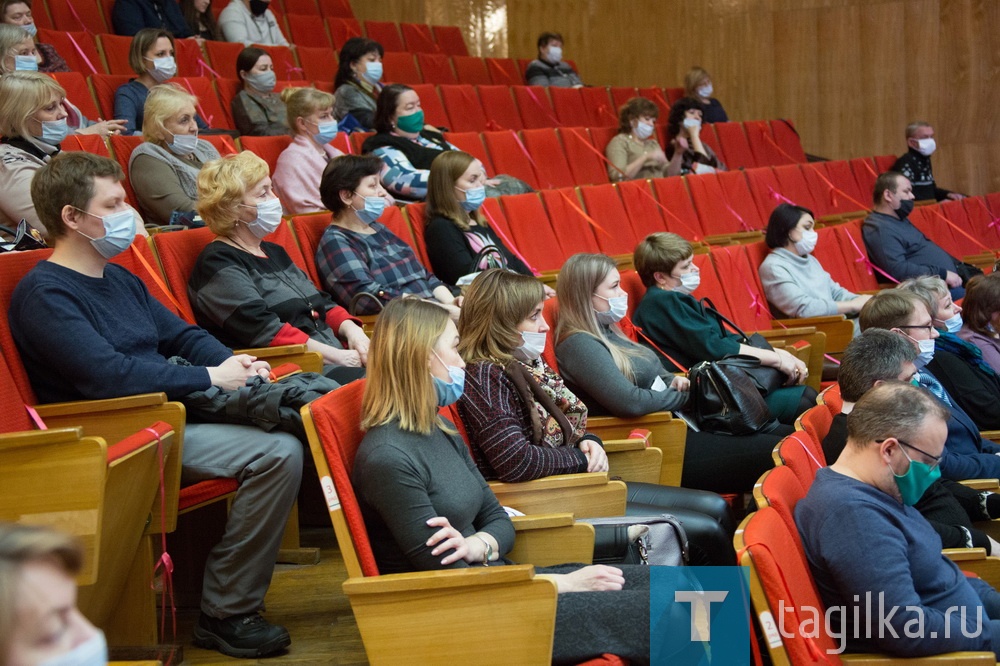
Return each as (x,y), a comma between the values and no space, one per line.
(700,600)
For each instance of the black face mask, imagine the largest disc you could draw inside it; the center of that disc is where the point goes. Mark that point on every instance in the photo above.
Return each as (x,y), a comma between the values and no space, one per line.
(905,208)
(258,7)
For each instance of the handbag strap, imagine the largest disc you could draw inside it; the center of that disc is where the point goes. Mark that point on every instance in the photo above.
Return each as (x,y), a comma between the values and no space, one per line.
(358,296)
(723,319)
(485,252)
(528,387)
(655,346)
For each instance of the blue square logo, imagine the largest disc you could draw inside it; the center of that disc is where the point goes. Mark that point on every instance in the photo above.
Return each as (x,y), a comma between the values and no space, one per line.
(699,615)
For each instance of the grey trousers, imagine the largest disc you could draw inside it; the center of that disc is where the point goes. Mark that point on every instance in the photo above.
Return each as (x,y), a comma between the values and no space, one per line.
(268,467)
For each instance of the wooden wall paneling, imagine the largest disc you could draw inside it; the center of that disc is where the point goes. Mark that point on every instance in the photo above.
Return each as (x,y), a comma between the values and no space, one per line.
(841,102)
(796,63)
(881,81)
(483,23)
(743,60)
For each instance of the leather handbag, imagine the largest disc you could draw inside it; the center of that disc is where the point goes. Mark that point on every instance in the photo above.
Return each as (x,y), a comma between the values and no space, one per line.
(660,540)
(726,399)
(767,379)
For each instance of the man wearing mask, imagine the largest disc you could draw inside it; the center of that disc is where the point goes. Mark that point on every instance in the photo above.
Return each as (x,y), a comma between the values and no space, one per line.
(549,69)
(899,248)
(868,548)
(916,163)
(251,22)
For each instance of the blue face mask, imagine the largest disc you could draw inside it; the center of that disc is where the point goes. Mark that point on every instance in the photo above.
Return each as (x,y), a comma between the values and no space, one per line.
(119,232)
(325,132)
(917,479)
(954,323)
(30,28)
(25,63)
(374,207)
(183,144)
(373,72)
(474,198)
(54,131)
(449,393)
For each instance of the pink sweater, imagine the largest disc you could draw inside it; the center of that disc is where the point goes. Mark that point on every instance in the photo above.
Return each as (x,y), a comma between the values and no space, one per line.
(297,174)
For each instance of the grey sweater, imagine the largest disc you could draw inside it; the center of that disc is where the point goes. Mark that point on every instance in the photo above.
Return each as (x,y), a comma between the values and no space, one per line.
(797,286)
(590,372)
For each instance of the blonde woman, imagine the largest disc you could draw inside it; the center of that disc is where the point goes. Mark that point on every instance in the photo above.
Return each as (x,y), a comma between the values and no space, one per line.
(525,423)
(300,165)
(457,233)
(698,86)
(39,620)
(615,376)
(164,168)
(151,57)
(20,54)
(18,13)
(246,291)
(426,506)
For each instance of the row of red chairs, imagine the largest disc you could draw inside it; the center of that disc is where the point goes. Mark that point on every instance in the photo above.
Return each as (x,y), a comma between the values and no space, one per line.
(305,30)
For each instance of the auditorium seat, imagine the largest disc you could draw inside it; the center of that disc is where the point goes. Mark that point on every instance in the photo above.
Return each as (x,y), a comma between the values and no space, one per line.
(77,15)
(569,106)
(831,257)
(308,229)
(535,107)
(115,49)
(503,114)
(577,231)
(268,148)
(584,157)
(451,40)
(550,164)
(678,209)
(793,185)
(708,138)
(600,109)
(765,150)
(865,175)
(829,199)
(747,303)
(495,217)
(305,30)
(430,102)
(643,210)
(766,191)
(341,29)
(300,7)
(436,68)
(735,145)
(655,95)
(208,106)
(471,70)
(509,156)
(605,206)
(884,163)
(318,63)
(385,33)
(86,143)
(852,245)
(786,136)
(504,72)
(982,221)
(76,48)
(935,226)
(416,217)
(283,60)
(105,86)
(720,213)
(674,94)
(336,9)
(222,56)
(419,39)
(840,174)
(78,93)
(472,143)
(532,232)
(464,108)
(400,68)
(620,95)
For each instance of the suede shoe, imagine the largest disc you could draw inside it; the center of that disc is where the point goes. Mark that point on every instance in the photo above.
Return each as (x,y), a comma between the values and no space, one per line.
(245,636)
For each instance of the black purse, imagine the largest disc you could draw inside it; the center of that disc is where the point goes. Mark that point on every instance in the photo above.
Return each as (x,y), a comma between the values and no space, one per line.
(726,399)
(767,379)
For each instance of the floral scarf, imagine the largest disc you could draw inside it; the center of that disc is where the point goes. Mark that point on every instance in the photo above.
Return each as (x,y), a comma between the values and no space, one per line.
(573,408)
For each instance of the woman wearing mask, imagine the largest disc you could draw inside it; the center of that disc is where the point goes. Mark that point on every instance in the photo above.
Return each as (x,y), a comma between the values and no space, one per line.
(457,233)
(18,13)
(615,376)
(794,281)
(152,58)
(360,262)
(681,326)
(524,423)
(22,56)
(685,150)
(358,81)
(426,507)
(698,86)
(634,152)
(297,175)
(246,291)
(257,109)
(163,169)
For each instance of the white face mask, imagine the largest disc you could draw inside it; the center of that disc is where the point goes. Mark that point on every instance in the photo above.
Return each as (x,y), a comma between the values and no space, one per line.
(689,282)
(807,243)
(268,217)
(954,324)
(619,306)
(692,123)
(92,652)
(643,130)
(164,68)
(926,353)
(705,91)
(532,346)
(926,147)
(555,54)
(183,144)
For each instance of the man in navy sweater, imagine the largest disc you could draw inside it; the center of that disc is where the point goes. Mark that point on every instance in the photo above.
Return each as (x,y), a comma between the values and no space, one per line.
(876,561)
(967,454)
(88,329)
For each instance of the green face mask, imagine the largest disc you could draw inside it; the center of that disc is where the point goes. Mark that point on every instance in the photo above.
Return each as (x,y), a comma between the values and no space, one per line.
(412,123)
(916,481)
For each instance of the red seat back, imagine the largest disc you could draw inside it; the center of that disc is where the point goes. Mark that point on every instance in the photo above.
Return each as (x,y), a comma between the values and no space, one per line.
(464,108)
(620,95)
(86,143)
(472,143)
(532,231)
(788,140)
(782,490)
(13,267)
(78,93)
(336,8)
(503,110)
(451,40)
(308,229)
(471,70)
(569,107)
(268,148)
(436,68)
(792,185)
(550,312)
(400,68)
(178,253)
(852,246)
(576,230)
(747,303)
(386,34)
(735,145)
(584,156)
(678,209)
(510,156)
(419,39)
(802,455)
(765,150)
(77,15)
(605,206)
(341,29)
(717,214)
(600,109)
(318,64)
(504,72)
(416,214)
(77,49)
(305,30)
(832,399)
(550,164)
(105,86)
(644,211)
(535,107)
(816,422)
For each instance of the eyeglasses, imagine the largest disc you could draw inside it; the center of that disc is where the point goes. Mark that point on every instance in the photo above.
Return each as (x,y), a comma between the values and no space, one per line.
(928,327)
(936,459)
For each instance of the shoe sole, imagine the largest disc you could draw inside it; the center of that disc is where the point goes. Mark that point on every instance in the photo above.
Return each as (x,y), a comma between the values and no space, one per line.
(209,641)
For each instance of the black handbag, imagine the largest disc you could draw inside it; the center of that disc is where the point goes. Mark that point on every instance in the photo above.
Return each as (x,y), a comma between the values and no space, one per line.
(726,399)
(767,379)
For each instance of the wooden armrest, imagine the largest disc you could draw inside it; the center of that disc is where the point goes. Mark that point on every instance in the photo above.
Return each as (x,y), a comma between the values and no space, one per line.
(309,361)
(839,330)
(13,440)
(992,435)
(640,465)
(616,445)
(367,322)
(437,580)
(556,481)
(787,332)
(91,406)
(981,484)
(817,341)
(550,539)
(584,495)
(810,321)
(667,434)
(963,658)
(964,554)
(976,561)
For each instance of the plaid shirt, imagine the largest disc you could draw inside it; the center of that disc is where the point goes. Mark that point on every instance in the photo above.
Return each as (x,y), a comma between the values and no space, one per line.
(380,264)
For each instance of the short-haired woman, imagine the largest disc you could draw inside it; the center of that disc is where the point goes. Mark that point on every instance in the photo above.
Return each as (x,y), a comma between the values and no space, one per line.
(634,151)
(457,233)
(246,291)
(698,86)
(685,329)
(615,376)
(981,317)
(163,169)
(39,620)
(685,149)
(309,114)
(18,13)
(426,507)
(794,281)
(257,109)
(358,81)
(151,56)
(524,423)
(360,260)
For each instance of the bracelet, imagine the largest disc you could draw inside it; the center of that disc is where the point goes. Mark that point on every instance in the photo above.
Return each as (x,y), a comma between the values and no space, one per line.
(489,550)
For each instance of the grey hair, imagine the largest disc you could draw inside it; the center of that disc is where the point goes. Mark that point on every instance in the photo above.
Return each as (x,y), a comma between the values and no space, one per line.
(875,355)
(928,288)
